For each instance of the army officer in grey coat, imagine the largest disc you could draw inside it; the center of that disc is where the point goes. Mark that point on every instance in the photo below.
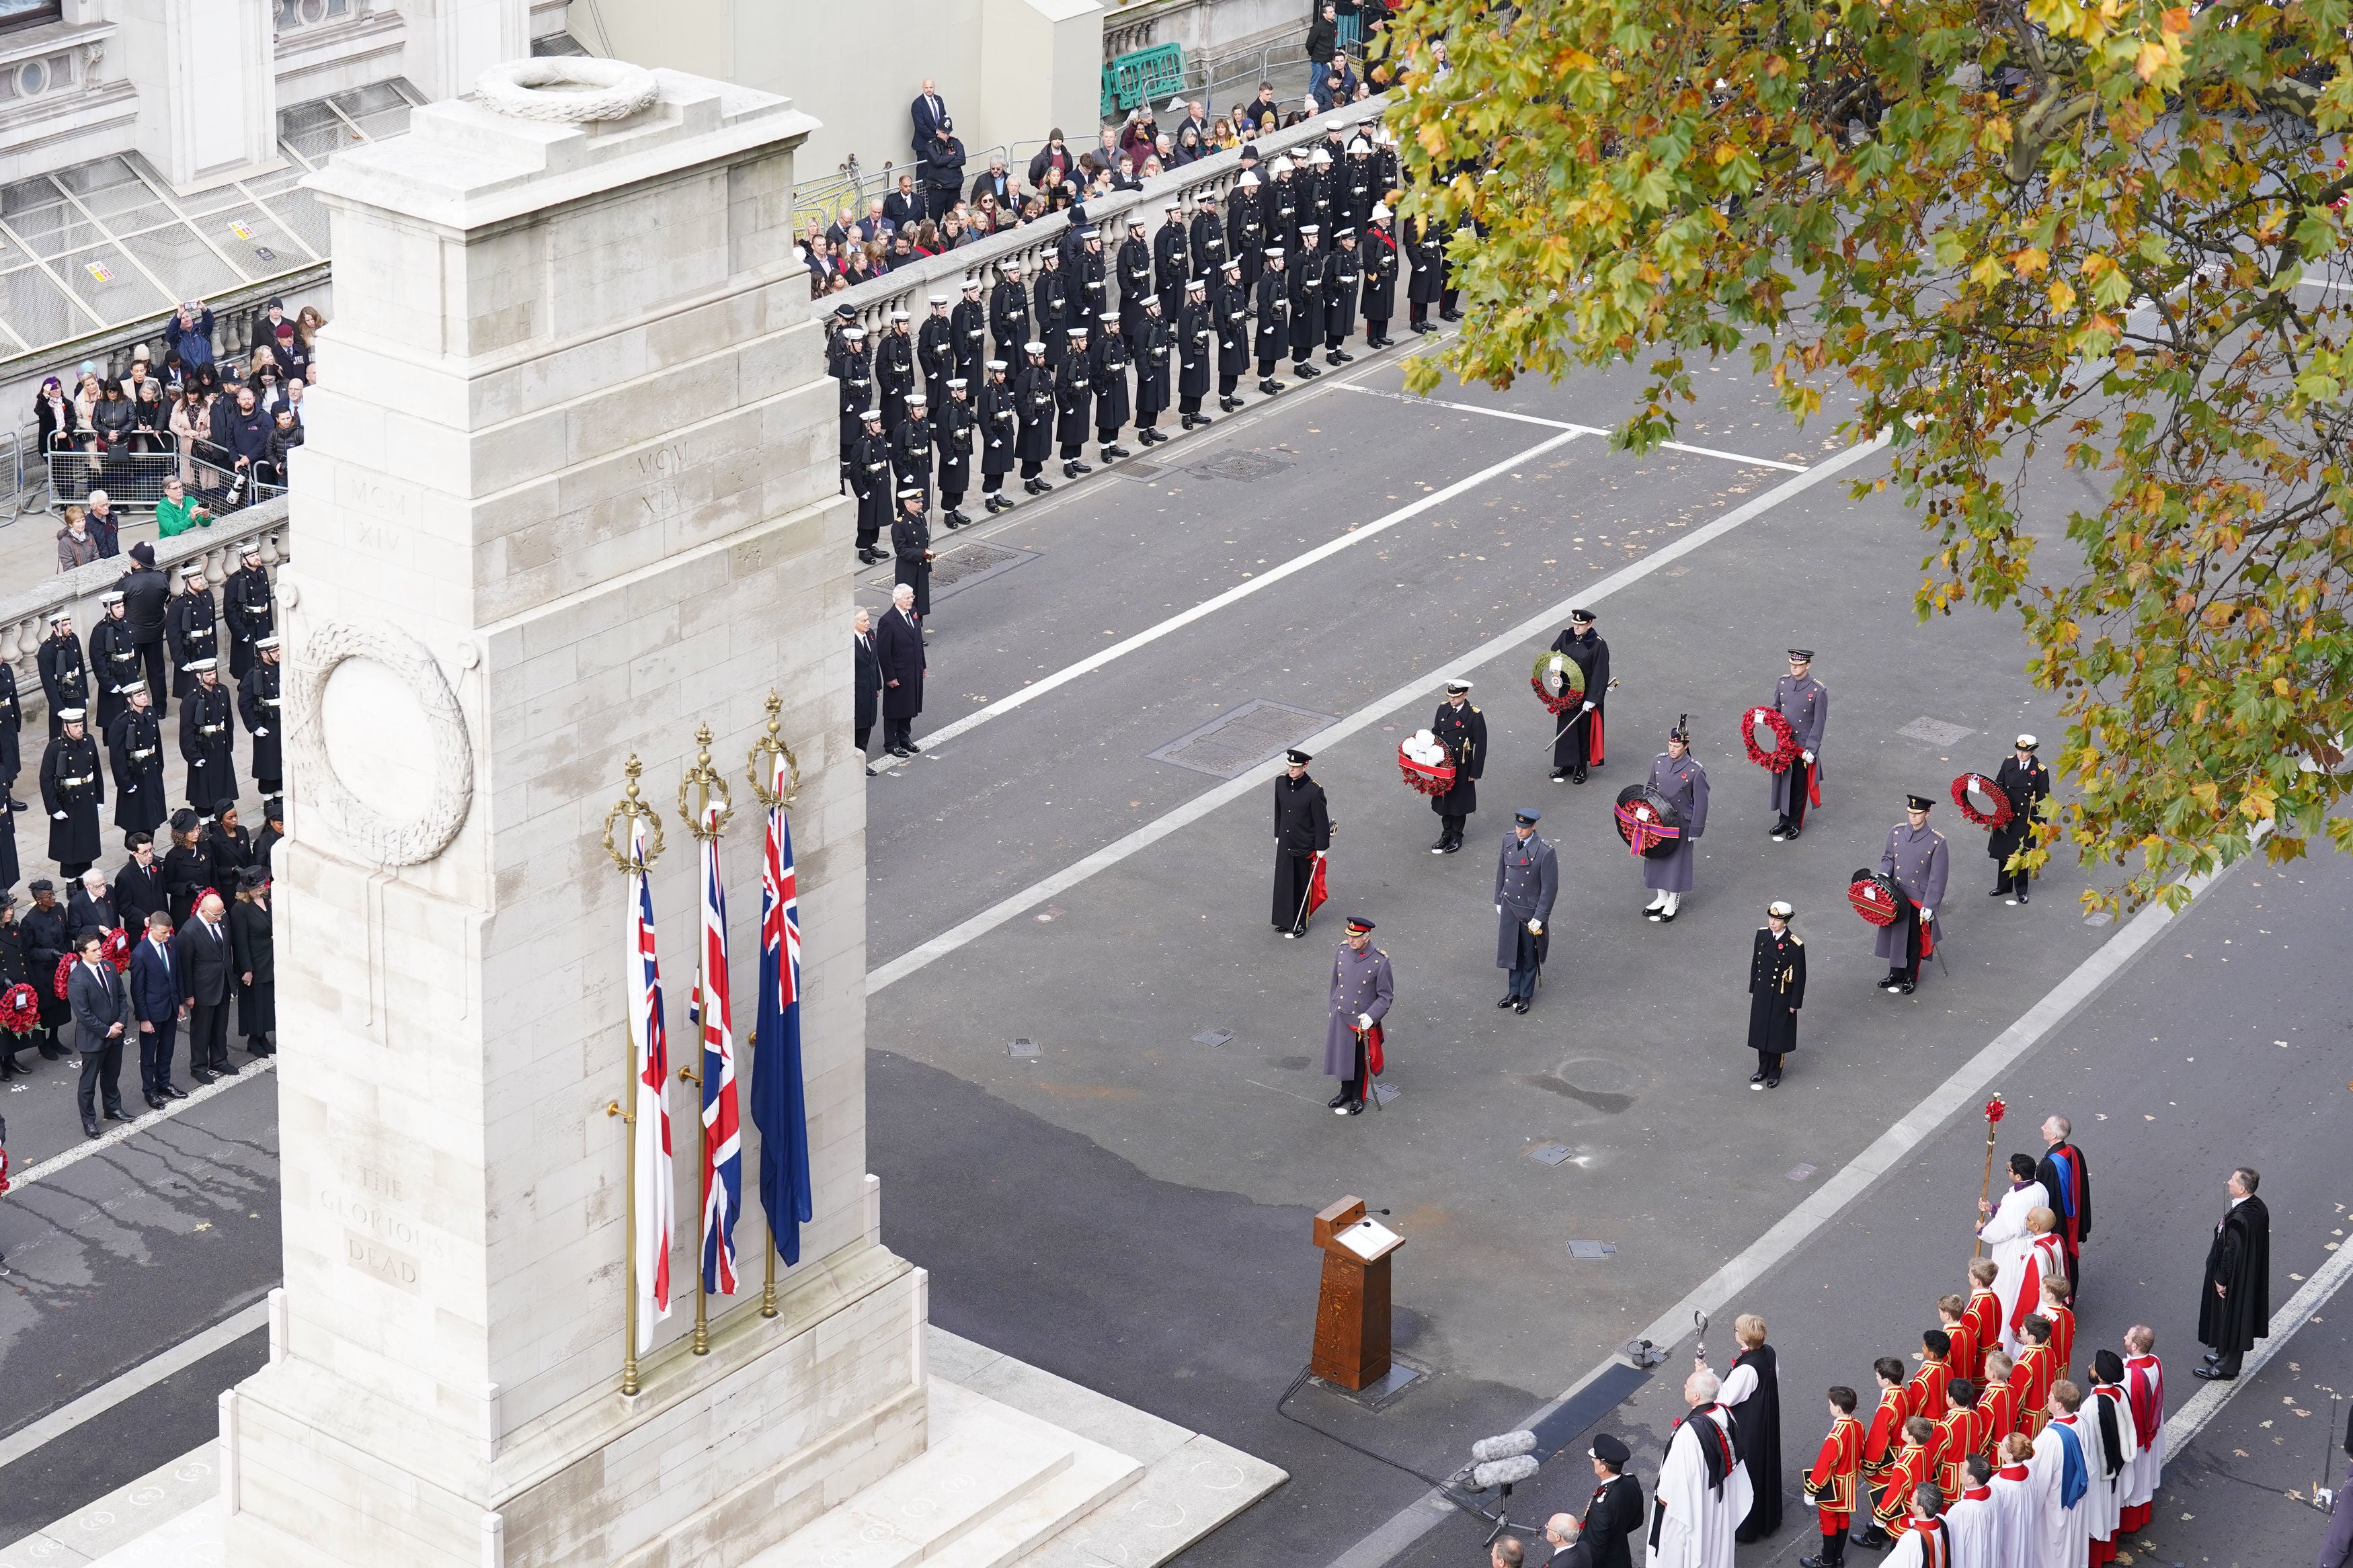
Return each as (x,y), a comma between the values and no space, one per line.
(1677,775)
(1918,857)
(1362,987)
(1527,877)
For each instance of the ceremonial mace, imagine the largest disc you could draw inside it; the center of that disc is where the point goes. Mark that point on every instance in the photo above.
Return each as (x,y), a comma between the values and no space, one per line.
(770,748)
(632,810)
(708,787)
(1994,1109)
(1699,1337)
(1581,712)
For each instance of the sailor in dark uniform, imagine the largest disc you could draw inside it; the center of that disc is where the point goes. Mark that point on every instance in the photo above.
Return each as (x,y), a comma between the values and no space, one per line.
(1777,989)
(1274,337)
(1579,743)
(955,432)
(134,747)
(1527,879)
(1230,312)
(869,480)
(2026,781)
(207,739)
(1074,393)
(1033,400)
(935,352)
(1363,989)
(1008,313)
(1107,368)
(1918,857)
(1805,703)
(72,789)
(1463,730)
(969,332)
(257,704)
(1195,350)
(1303,829)
(999,437)
(1677,775)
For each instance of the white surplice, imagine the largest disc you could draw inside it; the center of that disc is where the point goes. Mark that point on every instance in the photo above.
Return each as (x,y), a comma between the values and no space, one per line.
(2145,1376)
(2066,1541)
(2016,1519)
(1697,1527)
(2107,1498)
(2007,1241)
(1970,1524)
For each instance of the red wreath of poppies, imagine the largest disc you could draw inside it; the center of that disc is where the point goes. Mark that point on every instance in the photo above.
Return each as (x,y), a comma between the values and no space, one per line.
(1424,779)
(117,950)
(20,1009)
(58,982)
(1786,749)
(1997,818)
(1871,901)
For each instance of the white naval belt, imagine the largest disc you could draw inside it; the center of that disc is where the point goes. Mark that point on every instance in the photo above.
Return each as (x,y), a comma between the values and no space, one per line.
(210,729)
(63,783)
(142,756)
(270,702)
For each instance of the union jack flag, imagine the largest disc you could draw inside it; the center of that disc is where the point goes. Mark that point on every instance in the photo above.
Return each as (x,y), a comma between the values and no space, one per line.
(722,1142)
(779,1103)
(657,1193)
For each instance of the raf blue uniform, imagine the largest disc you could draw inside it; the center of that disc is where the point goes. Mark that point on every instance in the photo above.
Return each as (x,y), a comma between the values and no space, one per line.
(1919,859)
(1527,879)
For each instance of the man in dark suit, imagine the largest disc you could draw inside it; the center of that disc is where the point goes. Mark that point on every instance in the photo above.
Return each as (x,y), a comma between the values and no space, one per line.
(100,1004)
(866,673)
(92,904)
(899,646)
(1566,1536)
(928,111)
(159,1003)
(1615,1512)
(997,181)
(201,955)
(139,889)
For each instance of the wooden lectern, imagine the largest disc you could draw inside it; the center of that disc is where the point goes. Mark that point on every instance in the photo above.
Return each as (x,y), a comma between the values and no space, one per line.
(1352,1311)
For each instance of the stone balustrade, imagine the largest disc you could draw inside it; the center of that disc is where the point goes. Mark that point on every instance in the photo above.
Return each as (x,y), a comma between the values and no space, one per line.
(909,288)
(25,617)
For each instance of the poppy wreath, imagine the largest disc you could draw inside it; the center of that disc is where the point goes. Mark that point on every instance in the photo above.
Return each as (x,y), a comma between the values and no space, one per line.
(117,951)
(64,968)
(1997,818)
(1550,666)
(1871,900)
(20,1009)
(1785,750)
(1424,778)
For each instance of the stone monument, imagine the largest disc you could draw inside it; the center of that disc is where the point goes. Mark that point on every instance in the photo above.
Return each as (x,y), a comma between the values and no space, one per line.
(570,489)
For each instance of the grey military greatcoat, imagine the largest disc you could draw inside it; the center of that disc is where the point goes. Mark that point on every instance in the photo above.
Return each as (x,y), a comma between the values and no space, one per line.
(1361,984)
(1685,783)
(1527,877)
(1918,860)
(1806,704)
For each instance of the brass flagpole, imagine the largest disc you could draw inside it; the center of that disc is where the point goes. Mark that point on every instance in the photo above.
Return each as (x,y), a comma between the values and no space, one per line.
(1994,1109)
(630,809)
(766,749)
(709,789)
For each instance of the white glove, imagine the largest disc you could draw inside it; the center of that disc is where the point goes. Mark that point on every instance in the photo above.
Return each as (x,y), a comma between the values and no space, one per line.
(1809,756)
(1588,705)
(1927,914)
(1536,928)
(1363,1020)
(1499,909)
(263,731)
(61,816)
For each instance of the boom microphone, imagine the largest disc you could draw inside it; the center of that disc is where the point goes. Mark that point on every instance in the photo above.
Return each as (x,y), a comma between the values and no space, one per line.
(1504,1472)
(1509,1446)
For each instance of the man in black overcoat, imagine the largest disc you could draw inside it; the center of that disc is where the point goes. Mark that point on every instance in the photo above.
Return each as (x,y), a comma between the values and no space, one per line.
(935,352)
(114,663)
(73,787)
(1580,743)
(1777,989)
(1172,254)
(911,548)
(1303,829)
(1307,301)
(65,674)
(1134,268)
(1151,346)
(134,749)
(1194,348)
(1008,311)
(245,609)
(1273,338)
(1229,315)
(1208,237)
(257,704)
(207,739)
(1343,278)
(1426,254)
(953,429)
(1380,248)
(870,481)
(866,679)
(191,628)
(1107,361)
(2234,1310)
(899,646)
(1074,391)
(2026,782)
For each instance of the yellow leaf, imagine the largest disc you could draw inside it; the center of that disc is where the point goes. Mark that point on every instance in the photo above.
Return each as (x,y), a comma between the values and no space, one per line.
(2062,297)
(2282,686)
(2150,61)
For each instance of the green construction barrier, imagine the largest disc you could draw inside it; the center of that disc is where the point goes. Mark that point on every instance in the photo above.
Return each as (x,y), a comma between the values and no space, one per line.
(1145,75)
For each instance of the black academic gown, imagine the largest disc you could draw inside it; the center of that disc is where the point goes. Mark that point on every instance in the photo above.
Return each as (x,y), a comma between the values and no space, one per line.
(1302,827)
(2239,1258)
(1756,1439)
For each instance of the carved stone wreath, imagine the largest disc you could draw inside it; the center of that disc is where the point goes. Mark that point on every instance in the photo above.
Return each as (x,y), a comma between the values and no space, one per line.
(621,89)
(361,827)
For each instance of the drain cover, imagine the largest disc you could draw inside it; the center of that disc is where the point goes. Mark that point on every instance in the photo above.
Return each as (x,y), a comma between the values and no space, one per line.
(1385,1092)
(1935,731)
(1242,466)
(1234,743)
(1549,1153)
(1591,1251)
(1022,1048)
(1213,1036)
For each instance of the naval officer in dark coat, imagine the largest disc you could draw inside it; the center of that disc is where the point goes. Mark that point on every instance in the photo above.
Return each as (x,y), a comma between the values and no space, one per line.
(1361,991)
(1303,829)
(2026,781)
(1677,775)
(1805,703)
(1777,989)
(1918,858)
(1527,877)
(1463,730)
(1579,744)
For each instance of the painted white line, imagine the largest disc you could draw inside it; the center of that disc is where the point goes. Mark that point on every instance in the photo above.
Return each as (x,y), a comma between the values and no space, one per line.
(1239,591)
(1201,805)
(2208,1401)
(1956,1094)
(1408,397)
(148,1122)
(145,1376)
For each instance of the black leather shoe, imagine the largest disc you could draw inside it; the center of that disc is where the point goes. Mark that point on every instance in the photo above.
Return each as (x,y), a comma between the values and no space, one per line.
(2022,896)
(154,1101)
(2214,1374)
(1356,1107)
(1791,838)
(227,1068)
(1560,775)
(1336,1101)
(89,1130)
(1044,486)
(118,1114)
(1454,845)
(1522,1005)
(1780,830)
(1116,450)
(1306,372)
(1577,776)
(1757,1077)
(1438,844)
(1270,386)
(900,751)
(202,1075)
(173,1092)
(1904,988)
(1507,999)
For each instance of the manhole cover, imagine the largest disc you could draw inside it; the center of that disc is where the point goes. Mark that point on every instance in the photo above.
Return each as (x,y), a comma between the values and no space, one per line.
(1591,1251)
(1134,470)
(1022,1048)
(1243,467)
(1549,1153)
(1935,731)
(1233,744)
(1385,1092)
(1800,1173)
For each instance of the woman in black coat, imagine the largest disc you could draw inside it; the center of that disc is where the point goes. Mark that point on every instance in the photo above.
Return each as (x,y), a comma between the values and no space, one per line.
(229,848)
(256,961)
(187,867)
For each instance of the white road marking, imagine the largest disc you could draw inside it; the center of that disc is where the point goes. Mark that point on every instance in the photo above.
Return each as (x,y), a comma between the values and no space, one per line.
(1956,1094)
(1567,425)
(140,1378)
(1201,805)
(2208,1401)
(147,1123)
(1238,592)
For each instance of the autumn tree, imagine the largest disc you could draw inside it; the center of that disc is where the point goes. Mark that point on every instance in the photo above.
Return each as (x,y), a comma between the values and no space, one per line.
(2030,238)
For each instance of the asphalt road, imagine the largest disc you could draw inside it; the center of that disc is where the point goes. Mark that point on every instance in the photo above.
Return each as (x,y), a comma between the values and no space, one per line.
(1130,1206)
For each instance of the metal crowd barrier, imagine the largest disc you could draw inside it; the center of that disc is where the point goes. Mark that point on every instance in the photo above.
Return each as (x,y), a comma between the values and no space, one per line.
(134,481)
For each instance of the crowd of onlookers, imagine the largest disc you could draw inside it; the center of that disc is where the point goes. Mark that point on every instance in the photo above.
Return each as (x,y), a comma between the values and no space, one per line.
(939,202)
(230,424)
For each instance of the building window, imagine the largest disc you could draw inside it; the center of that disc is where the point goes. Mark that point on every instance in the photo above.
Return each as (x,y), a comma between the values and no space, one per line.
(30,79)
(294,13)
(28,13)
